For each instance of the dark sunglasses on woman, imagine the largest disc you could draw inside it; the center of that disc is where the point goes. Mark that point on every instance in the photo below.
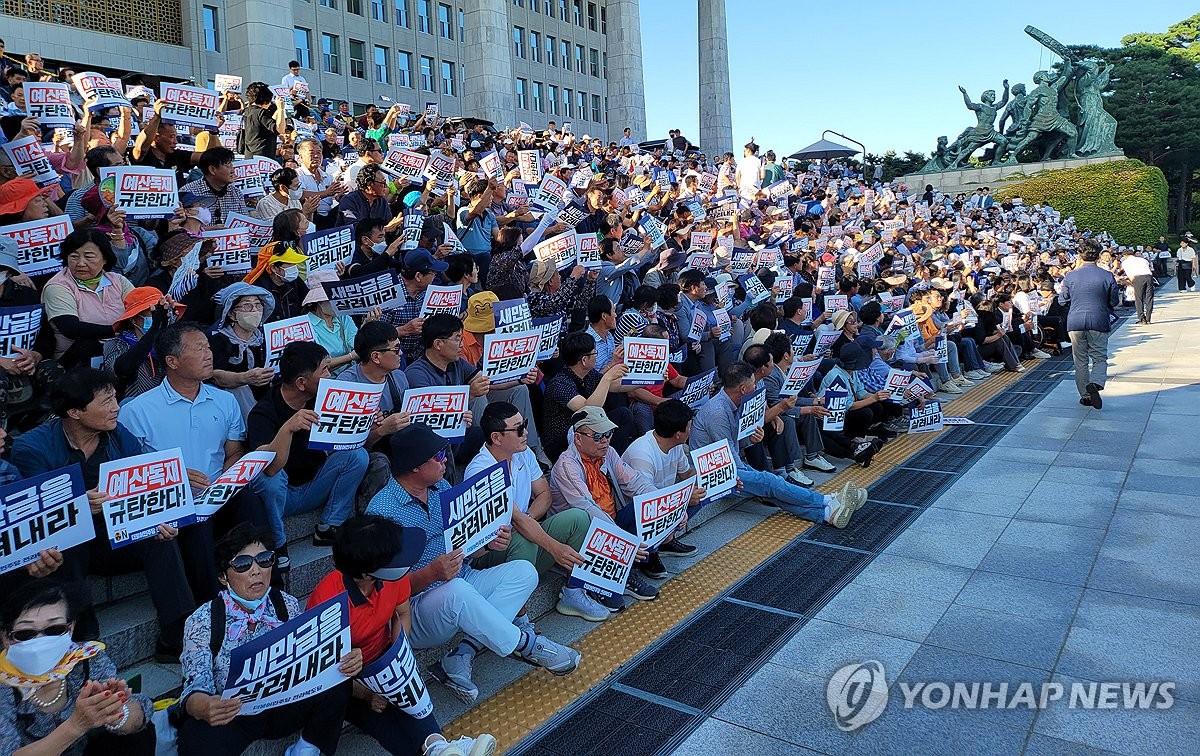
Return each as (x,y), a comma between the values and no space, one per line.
(243,562)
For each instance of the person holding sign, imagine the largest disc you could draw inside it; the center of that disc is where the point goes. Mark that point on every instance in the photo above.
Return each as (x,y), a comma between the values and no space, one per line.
(718,419)
(543,541)
(300,479)
(84,300)
(372,557)
(867,409)
(451,594)
(281,261)
(129,356)
(156,146)
(216,182)
(247,608)
(63,697)
(802,441)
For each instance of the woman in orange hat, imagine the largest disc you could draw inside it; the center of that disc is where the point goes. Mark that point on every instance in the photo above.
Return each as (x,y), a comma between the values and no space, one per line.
(130,356)
(21,201)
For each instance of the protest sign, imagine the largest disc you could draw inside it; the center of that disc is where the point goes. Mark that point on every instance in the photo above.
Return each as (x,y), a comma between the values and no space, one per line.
(560,250)
(325,249)
(837,401)
(769,258)
(47,511)
(442,299)
(824,342)
(588,249)
(716,468)
(280,333)
(647,361)
(228,83)
(800,343)
(442,408)
(957,421)
(833,302)
(29,160)
(608,553)
(752,413)
(866,269)
(798,375)
(451,238)
(753,286)
(927,419)
(697,390)
(785,285)
(38,242)
(512,315)
(476,509)
(142,192)
(19,328)
(701,241)
(247,178)
(530,164)
(396,676)
(189,106)
(99,91)
(573,214)
(358,296)
(284,94)
(660,513)
(231,249)
(550,194)
(491,164)
(292,662)
(346,413)
(144,492)
(904,323)
(551,331)
(50,103)
(826,278)
(414,224)
(724,323)
(509,356)
(700,260)
(920,388)
(943,354)
(405,164)
(516,194)
(699,321)
(896,384)
(259,231)
(228,483)
(653,230)
(891,304)
(431,111)
(741,261)
(440,170)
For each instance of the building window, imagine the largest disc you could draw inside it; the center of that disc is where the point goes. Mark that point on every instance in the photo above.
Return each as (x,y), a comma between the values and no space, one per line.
(448,80)
(604,20)
(581,105)
(402,13)
(330,63)
(302,38)
(423,13)
(462,18)
(592,16)
(577,12)
(551,42)
(535,47)
(354,6)
(566,103)
(519,3)
(565,49)
(537,97)
(562,10)
(444,16)
(381,65)
(552,98)
(596,109)
(427,73)
(358,63)
(604,57)
(594,61)
(549,7)
(378,11)
(522,103)
(579,59)
(518,42)
(212,37)
(403,69)
(329,4)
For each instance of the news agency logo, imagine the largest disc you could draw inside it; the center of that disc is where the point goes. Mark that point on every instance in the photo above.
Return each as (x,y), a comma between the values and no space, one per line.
(857,694)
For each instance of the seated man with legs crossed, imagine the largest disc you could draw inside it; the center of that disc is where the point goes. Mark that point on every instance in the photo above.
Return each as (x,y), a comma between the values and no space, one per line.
(449,594)
(542,542)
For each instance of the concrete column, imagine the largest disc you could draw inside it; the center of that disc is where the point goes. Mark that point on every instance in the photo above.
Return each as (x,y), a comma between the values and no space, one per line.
(260,41)
(489,90)
(626,90)
(716,119)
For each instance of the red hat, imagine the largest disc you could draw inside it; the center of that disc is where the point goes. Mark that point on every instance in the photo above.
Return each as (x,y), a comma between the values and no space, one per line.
(15,195)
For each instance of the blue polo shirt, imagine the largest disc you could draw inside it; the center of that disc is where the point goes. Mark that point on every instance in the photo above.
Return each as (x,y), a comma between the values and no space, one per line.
(396,504)
(165,419)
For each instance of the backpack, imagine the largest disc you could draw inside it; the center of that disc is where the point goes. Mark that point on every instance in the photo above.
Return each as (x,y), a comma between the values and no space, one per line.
(216,633)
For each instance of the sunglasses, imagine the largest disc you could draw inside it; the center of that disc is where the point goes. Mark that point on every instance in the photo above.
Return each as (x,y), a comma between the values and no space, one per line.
(243,562)
(440,456)
(519,430)
(30,634)
(598,437)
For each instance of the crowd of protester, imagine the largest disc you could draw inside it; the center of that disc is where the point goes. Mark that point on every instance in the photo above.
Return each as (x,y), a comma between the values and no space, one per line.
(145,346)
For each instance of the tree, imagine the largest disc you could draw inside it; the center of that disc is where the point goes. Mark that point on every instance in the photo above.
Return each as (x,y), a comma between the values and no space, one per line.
(894,165)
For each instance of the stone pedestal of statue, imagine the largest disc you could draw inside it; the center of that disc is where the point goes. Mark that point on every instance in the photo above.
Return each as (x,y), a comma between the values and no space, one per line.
(970,179)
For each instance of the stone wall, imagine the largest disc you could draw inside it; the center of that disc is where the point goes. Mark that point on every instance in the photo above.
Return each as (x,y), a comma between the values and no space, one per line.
(970,179)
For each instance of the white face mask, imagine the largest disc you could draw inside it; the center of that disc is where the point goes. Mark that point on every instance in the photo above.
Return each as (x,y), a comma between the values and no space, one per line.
(295,193)
(311,228)
(379,247)
(3,276)
(248,320)
(39,655)
(291,272)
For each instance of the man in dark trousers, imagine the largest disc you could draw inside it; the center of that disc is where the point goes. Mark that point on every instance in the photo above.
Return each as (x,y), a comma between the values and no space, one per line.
(1092,292)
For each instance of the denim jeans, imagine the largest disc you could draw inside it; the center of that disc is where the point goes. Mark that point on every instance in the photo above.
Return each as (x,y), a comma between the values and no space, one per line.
(787,496)
(969,354)
(334,487)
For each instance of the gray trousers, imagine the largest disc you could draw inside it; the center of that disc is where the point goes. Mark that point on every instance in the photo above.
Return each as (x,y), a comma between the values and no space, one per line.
(1089,347)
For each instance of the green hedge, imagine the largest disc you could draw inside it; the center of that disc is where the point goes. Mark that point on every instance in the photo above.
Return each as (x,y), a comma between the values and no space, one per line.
(1127,198)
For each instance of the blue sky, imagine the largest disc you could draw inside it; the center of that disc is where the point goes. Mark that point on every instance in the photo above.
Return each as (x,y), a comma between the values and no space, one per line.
(884,73)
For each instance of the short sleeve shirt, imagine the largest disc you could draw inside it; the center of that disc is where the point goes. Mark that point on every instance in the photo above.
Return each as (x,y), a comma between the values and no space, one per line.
(561,389)
(523,470)
(265,420)
(370,616)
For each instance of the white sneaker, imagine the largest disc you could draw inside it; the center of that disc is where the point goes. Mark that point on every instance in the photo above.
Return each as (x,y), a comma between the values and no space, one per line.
(819,463)
(799,478)
(480,745)
(978,375)
(1041,355)
(949,387)
(1020,369)
(1064,345)
(993,367)
(964,382)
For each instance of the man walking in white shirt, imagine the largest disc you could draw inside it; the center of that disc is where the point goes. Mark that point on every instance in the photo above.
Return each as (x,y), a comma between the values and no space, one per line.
(1141,278)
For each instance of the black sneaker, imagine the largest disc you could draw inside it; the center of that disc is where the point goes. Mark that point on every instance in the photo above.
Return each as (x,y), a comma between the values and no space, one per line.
(653,567)
(1093,390)
(613,603)
(639,588)
(323,536)
(677,547)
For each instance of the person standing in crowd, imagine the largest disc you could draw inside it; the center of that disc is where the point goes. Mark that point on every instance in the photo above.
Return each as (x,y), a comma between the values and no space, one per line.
(1137,269)
(1185,263)
(1092,293)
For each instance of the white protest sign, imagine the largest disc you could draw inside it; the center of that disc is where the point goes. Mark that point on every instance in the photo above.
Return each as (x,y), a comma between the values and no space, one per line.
(442,408)
(608,553)
(927,419)
(588,250)
(228,83)
(292,662)
(144,492)
(29,160)
(47,511)
(476,509)
(551,193)
(724,323)
(248,178)
(824,342)
(38,242)
(99,91)
(560,250)
(189,106)
(897,384)
(785,286)
(530,164)
(657,515)
(358,296)
(647,361)
(396,676)
(716,466)
(231,249)
(228,483)
(752,413)
(509,356)
(280,333)
(833,303)
(957,421)
(442,300)
(346,412)
(798,375)
(50,103)
(260,231)
(699,321)
(141,192)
